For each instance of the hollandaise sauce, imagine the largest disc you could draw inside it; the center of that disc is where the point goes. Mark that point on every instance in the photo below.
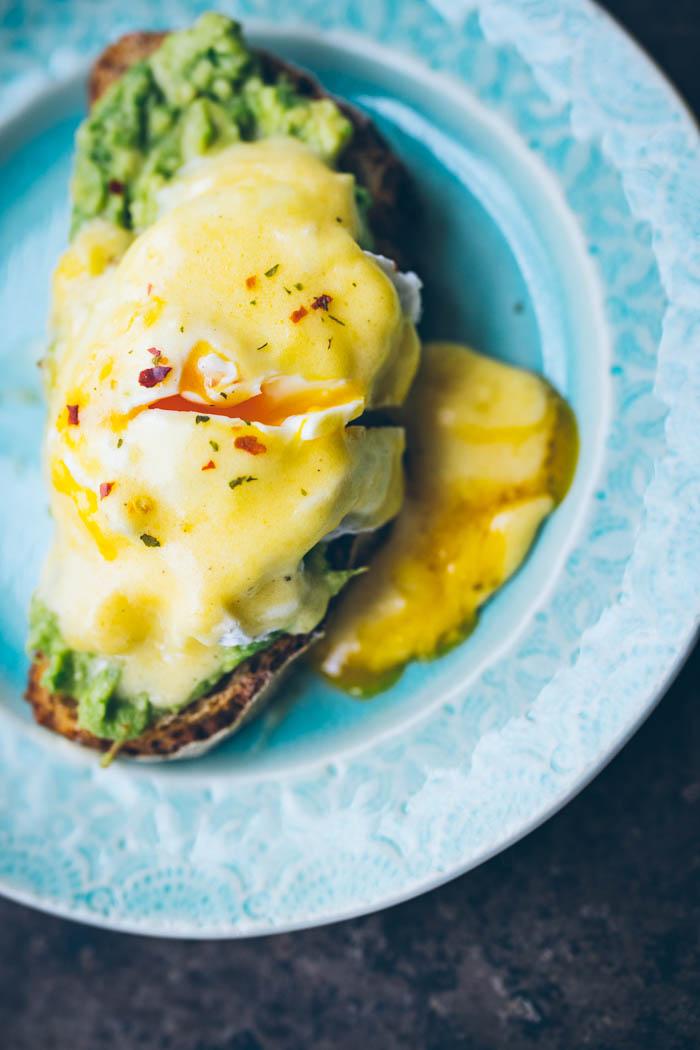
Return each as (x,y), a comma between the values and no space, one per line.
(201,380)
(491,451)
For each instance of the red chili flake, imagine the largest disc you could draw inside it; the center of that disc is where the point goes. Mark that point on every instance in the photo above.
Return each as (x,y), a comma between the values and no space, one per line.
(322,302)
(149,289)
(297,315)
(250,281)
(73,419)
(249,443)
(115,186)
(105,489)
(154,376)
(210,465)
(153,350)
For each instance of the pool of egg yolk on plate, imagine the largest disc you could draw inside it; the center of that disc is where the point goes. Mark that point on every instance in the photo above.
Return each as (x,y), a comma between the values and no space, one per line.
(491,451)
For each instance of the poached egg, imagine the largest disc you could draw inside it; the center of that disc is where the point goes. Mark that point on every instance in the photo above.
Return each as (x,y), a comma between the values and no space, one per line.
(201,383)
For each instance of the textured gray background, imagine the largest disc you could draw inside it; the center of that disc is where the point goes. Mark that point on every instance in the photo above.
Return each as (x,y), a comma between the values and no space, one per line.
(586,934)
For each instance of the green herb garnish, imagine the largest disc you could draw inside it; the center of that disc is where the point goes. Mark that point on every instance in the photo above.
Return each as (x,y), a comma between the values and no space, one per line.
(201,419)
(240,480)
(272,271)
(149,541)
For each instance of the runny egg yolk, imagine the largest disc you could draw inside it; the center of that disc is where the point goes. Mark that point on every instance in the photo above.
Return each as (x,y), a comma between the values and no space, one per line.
(492,450)
(86,505)
(206,378)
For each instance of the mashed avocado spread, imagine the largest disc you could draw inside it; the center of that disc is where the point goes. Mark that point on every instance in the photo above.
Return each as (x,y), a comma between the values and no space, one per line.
(94,680)
(202,89)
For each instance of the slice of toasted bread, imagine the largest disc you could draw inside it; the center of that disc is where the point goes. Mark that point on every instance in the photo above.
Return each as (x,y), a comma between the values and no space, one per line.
(245,692)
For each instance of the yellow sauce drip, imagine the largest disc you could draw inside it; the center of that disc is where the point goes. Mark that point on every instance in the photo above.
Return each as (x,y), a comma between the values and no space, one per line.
(86,504)
(492,450)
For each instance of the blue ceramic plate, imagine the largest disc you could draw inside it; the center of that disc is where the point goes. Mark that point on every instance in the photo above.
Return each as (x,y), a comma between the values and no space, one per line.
(560,181)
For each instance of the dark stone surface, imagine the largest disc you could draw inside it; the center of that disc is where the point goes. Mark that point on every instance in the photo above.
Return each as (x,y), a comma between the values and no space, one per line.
(586,934)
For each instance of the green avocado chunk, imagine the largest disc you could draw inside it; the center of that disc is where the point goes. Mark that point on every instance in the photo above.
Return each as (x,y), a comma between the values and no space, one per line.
(202,89)
(94,680)
(91,680)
